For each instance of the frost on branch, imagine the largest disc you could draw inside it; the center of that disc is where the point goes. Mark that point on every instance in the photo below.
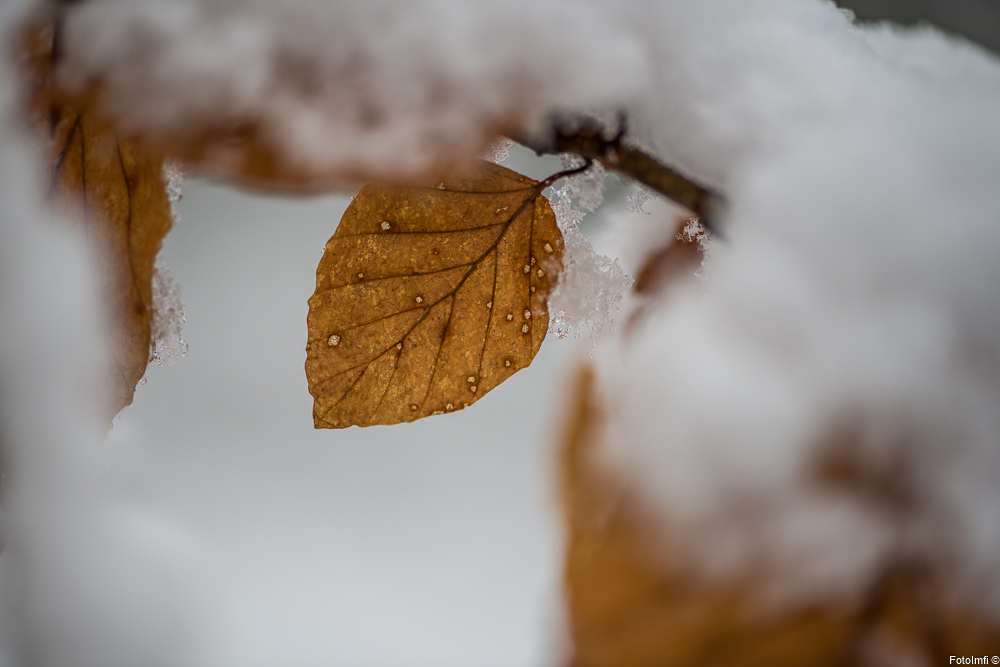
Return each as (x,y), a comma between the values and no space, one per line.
(591,287)
(582,193)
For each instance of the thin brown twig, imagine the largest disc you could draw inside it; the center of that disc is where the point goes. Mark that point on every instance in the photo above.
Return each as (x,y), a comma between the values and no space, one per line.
(588,141)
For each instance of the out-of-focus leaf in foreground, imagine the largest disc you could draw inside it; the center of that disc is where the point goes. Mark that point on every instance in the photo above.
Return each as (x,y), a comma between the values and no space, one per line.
(631,605)
(429,297)
(628,609)
(112,188)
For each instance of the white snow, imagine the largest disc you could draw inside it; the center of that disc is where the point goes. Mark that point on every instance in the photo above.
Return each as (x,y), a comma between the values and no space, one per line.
(166,335)
(172,175)
(591,285)
(855,283)
(166,339)
(381,88)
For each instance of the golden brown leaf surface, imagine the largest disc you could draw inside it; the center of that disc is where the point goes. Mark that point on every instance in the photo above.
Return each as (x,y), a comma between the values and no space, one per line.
(111,187)
(429,297)
(629,607)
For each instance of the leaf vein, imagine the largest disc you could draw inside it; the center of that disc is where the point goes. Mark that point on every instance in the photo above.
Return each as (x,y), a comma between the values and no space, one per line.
(388,235)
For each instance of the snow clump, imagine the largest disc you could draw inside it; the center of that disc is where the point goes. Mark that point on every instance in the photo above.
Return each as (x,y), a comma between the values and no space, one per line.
(591,286)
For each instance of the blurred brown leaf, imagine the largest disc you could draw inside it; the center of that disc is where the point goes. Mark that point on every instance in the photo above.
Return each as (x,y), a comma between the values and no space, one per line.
(249,156)
(630,606)
(111,187)
(429,297)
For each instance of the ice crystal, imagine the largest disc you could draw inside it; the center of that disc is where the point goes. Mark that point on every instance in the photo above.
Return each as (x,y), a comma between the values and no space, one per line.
(172,175)
(589,290)
(634,202)
(695,231)
(591,285)
(585,189)
(166,343)
(499,151)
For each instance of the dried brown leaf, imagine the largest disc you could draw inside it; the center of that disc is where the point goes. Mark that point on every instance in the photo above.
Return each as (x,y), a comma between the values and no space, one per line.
(111,187)
(429,297)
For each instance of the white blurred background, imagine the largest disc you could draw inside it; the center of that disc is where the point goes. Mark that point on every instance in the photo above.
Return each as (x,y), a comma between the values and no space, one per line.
(433,543)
